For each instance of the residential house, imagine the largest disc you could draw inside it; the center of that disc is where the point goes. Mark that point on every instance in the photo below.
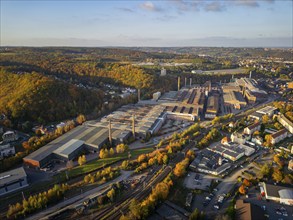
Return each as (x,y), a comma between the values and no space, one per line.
(279,136)
(252,128)
(285,122)
(9,136)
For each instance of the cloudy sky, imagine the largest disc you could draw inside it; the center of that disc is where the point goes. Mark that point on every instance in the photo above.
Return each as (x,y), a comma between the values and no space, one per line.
(248,23)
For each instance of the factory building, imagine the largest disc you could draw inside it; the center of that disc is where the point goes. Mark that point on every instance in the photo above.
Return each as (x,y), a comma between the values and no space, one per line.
(212,106)
(70,150)
(93,138)
(234,99)
(232,152)
(12,180)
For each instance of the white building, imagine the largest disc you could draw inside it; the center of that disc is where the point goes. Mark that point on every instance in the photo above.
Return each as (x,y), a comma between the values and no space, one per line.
(9,136)
(279,136)
(283,195)
(285,122)
(247,150)
(156,96)
(239,138)
(6,150)
(12,180)
(163,72)
(252,128)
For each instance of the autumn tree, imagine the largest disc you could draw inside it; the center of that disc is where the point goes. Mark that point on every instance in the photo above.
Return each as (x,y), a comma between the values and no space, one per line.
(80,119)
(242,189)
(265,119)
(81,160)
(104,153)
(111,152)
(69,165)
(111,194)
(121,148)
(180,168)
(26,145)
(277,175)
(266,169)
(141,158)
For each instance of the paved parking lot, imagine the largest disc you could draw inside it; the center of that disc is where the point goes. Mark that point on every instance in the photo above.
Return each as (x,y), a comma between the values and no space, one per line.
(198,181)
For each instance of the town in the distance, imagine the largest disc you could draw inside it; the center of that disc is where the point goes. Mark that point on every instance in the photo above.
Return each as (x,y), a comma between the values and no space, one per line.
(146,133)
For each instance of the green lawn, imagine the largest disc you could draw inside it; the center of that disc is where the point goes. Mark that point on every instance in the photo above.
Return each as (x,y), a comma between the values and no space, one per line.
(99,163)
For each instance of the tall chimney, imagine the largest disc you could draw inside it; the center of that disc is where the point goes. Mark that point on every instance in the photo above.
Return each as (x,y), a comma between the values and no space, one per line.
(133,126)
(110,132)
(185,81)
(178,83)
(190,82)
(250,74)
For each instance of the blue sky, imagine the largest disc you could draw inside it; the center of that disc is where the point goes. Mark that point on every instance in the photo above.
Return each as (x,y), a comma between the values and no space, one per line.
(261,23)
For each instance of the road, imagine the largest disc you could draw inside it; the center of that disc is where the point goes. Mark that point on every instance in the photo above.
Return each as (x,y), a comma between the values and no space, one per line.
(228,183)
(44,214)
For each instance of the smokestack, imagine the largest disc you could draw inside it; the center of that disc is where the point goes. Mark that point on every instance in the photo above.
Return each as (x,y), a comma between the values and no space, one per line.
(185,81)
(110,133)
(250,74)
(133,126)
(178,83)
(190,81)
(138,94)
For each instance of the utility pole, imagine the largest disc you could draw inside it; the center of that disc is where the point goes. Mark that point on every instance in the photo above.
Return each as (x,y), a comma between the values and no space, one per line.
(133,126)
(110,132)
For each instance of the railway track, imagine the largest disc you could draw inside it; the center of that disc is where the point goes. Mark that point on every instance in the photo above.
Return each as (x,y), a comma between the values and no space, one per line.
(139,194)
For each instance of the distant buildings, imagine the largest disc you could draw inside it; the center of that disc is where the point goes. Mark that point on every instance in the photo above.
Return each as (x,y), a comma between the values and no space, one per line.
(9,136)
(12,180)
(281,194)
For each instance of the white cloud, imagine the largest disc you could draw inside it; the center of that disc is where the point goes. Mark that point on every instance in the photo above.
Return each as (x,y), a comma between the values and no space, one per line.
(149,6)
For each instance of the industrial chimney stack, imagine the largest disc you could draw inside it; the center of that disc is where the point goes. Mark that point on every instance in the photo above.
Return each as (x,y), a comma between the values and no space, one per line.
(185,81)
(190,82)
(110,132)
(178,83)
(133,126)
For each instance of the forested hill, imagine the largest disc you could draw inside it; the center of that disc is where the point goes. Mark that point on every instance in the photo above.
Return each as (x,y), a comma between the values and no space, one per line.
(35,97)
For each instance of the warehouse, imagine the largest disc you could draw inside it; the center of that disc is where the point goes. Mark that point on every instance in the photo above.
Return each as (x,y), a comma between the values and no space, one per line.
(212,106)
(231,152)
(69,150)
(12,180)
(234,99)
(93,138)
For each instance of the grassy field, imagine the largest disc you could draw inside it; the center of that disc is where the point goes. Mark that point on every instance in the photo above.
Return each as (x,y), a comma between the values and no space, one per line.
(99,163)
